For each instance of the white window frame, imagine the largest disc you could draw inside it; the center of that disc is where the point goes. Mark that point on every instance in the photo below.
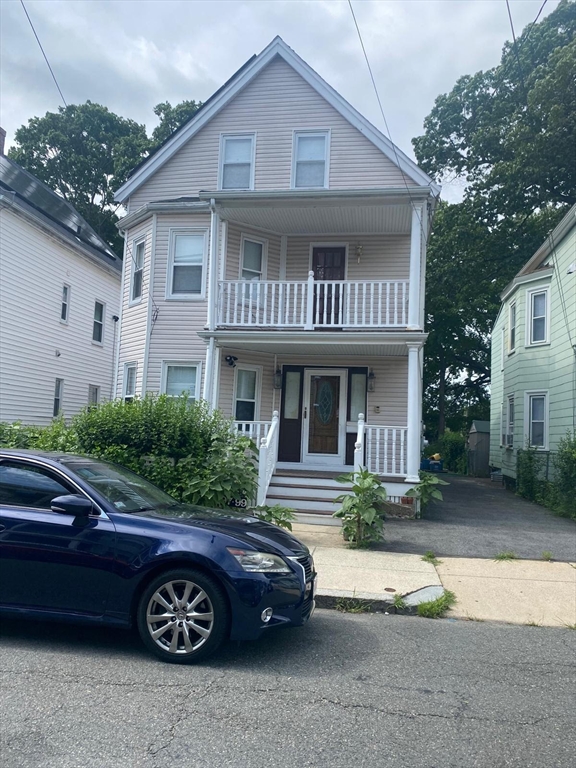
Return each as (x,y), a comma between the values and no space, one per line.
(261,241)
(58,395)
(503,348)
(103,321)
(64,320)
(94,388)
(172,235)
(509,435)
(241,135)
(326,134)
(529,302)
(184,364)
(248,367)
(127,396)
(512,308)
(528,395)
(135,243)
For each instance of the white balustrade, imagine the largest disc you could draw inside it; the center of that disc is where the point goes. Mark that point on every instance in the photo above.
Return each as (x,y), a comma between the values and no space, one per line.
(267,459)
(386,450)
(255,430)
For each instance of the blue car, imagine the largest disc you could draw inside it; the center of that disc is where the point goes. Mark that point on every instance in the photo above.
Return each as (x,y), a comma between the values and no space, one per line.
(82,540)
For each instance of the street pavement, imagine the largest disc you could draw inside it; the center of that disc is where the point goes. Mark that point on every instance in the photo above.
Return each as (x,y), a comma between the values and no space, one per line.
(346,690)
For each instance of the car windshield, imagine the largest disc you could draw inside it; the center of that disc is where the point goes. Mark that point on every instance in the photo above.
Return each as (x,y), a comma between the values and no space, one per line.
(125,490)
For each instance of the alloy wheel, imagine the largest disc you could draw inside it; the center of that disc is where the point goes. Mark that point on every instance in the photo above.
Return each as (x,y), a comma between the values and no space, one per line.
(180,617)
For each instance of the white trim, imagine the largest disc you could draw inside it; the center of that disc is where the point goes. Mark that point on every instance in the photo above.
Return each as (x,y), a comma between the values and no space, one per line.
(528,338)
(528,395)
(276,48)
(264,265)
(321,244)
(60,391)
(283,257)
(531,278)
(95,341)
(125,378)
(140,240)
(511,349)
(65,321)
(236,135)
(97,389)
(151,286)
(326,134)
(338,459)
(258,385)
(172,233)
(503,347)
(224,249)
(197,364)
(510,397)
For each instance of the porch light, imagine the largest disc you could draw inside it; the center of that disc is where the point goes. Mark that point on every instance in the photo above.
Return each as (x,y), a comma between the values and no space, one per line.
(359,252)
(371,383)
(278,379)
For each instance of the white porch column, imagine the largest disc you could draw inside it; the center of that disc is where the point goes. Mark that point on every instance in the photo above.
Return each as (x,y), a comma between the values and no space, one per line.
(212,296)
(208,388)
(414,428)
(415,268)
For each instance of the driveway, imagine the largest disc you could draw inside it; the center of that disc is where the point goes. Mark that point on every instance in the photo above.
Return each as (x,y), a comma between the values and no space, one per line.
(479,518)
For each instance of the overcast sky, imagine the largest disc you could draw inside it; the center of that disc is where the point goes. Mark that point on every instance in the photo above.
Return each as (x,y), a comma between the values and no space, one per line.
(132,54)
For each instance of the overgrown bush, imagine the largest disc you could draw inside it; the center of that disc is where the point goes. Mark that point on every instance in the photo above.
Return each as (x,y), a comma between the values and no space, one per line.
(452,448)
(531,481)
(558,492)
(564,485)
(362,519)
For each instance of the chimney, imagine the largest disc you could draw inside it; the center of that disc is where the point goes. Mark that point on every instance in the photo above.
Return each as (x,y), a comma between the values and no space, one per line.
(2,140)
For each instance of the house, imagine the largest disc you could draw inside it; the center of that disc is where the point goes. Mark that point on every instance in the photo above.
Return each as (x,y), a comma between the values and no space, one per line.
(534,353)
(274,265)
(59,303)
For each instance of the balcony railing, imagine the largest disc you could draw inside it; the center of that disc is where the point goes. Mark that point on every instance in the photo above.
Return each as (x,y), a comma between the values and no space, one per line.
(309,304)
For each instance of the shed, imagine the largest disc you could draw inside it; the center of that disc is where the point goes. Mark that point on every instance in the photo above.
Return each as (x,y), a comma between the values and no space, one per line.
(479,449)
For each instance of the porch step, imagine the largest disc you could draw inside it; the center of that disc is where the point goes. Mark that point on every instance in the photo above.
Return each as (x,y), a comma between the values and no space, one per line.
(310,493)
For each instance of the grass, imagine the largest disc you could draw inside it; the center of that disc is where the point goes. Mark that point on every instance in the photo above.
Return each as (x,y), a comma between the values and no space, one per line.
(353,605)
(532,624)
(430,557)
(399,602)
(570,626)
(472,618)
(547,556)
(435,609)
(506,556)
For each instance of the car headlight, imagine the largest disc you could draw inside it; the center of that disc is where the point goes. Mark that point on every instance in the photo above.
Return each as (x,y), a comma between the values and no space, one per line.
(259,562)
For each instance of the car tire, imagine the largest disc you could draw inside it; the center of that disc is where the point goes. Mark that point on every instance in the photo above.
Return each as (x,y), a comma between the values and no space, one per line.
(183,616)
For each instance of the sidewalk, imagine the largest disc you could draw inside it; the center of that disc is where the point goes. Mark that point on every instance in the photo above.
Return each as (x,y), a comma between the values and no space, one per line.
(517,591)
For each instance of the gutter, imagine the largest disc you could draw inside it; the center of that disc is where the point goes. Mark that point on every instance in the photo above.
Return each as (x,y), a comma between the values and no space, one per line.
(228,199)
(160,207)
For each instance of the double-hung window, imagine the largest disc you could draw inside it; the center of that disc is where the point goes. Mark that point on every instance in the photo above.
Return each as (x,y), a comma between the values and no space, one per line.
(537,411)
(93,395)
(65,305)
(310,160)
(537,312)
(137,271)
(58,392)
(186,264)
(247,391)
(237,161)
(98,324)
(253,259)
(180,378)
(129,389)
(509,436)
(512,329)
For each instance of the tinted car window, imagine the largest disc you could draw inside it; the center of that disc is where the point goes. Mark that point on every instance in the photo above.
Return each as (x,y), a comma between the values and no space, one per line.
(26,485)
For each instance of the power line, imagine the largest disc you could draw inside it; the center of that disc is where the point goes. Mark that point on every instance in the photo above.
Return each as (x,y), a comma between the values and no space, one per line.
(515,44)
(533,25)
(44,54)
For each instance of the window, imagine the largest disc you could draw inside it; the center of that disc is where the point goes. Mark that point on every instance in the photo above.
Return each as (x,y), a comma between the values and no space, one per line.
(357,386)
(237,162)
(98,325)
(179,378)
(65,306)
(537,410)
(537,311)
(137,270)
(310,162)
(27,485)
(186,265)
(247,389)
(512,330)
(58,389)
(253,258)
(502,347)
(509,436)
(93,395)
(129,382)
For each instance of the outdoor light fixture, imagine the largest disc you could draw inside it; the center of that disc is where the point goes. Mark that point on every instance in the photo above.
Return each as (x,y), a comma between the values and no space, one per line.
(371,383)
(359,252)
(278,379)
(231,360)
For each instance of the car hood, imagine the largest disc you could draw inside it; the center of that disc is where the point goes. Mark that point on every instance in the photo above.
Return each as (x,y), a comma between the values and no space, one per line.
(243,526)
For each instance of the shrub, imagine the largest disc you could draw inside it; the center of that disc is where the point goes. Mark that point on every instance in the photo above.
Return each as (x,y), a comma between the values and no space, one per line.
(564,485)
(362,522)
(277,514)
(452,448)
(427,489)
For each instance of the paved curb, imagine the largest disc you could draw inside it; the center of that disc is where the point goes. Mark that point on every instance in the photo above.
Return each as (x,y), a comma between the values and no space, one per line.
(380,604)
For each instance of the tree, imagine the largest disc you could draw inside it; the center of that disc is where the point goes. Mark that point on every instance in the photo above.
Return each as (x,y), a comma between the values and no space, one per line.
(84,153)
(510,134)
(171,118)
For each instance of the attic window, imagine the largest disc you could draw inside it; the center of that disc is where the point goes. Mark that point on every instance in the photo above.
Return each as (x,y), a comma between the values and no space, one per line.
(237,161)
(310,161)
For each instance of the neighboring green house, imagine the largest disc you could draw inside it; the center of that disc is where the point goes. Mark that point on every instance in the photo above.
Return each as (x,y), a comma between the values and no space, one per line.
(534,353)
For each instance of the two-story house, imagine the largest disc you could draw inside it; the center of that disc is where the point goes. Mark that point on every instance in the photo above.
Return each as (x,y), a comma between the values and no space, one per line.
(274,265)
(533,395)
(59,304)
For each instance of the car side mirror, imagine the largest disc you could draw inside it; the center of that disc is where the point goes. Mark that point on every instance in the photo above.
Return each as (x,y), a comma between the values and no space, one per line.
(72,504)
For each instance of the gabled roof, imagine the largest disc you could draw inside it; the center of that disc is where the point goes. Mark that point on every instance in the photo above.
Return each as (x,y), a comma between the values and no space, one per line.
(32,196)
(239,81)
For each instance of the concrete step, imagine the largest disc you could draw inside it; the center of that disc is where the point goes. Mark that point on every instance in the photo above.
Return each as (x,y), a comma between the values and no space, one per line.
(302,481)
(309,504)
(304,491)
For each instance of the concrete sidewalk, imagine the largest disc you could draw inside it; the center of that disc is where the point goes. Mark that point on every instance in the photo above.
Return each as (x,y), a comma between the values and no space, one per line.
(516,591)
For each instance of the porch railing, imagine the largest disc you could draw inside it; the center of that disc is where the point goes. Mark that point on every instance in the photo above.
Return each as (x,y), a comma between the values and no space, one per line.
(267,459)
(382,450)
(255,430)
(310,304)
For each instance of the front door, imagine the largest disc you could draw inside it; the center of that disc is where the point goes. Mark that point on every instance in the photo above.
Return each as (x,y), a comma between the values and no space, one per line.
(328,264)
(324,418)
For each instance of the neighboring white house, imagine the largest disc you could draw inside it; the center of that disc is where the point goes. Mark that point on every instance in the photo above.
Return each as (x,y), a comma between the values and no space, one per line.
(274,262)
(59,304)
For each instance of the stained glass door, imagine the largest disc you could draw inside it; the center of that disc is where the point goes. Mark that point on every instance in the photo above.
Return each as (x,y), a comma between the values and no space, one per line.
(324,415)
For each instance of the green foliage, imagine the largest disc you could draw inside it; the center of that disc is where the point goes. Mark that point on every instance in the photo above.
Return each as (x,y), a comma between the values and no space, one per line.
(398,602)
(362,522)
(55,437)
(277,514)
(171,118)
(452,448)
(553,489)
(427,489)
(435,609)
(501,556)
(547,555)
(430,557)
(564,484)
(353,605)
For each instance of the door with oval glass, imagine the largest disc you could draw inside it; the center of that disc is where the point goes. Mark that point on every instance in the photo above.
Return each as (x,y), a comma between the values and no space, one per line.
(324,417)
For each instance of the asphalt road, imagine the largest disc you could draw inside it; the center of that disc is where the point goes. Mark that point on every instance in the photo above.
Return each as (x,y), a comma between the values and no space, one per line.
(347,690)
(479,518)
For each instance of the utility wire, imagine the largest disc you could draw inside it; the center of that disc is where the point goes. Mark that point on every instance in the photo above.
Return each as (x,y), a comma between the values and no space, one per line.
(44,53)
(532,25)
(515,45)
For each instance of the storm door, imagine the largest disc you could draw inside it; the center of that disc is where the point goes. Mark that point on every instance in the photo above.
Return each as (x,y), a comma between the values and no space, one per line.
(324,418)
(329,265)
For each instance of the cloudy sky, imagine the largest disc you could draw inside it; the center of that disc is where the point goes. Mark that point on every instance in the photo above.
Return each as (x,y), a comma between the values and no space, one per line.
(132,54)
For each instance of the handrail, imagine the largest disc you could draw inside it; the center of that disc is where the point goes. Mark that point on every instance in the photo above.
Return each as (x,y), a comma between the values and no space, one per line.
(359,444)
(267,459)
